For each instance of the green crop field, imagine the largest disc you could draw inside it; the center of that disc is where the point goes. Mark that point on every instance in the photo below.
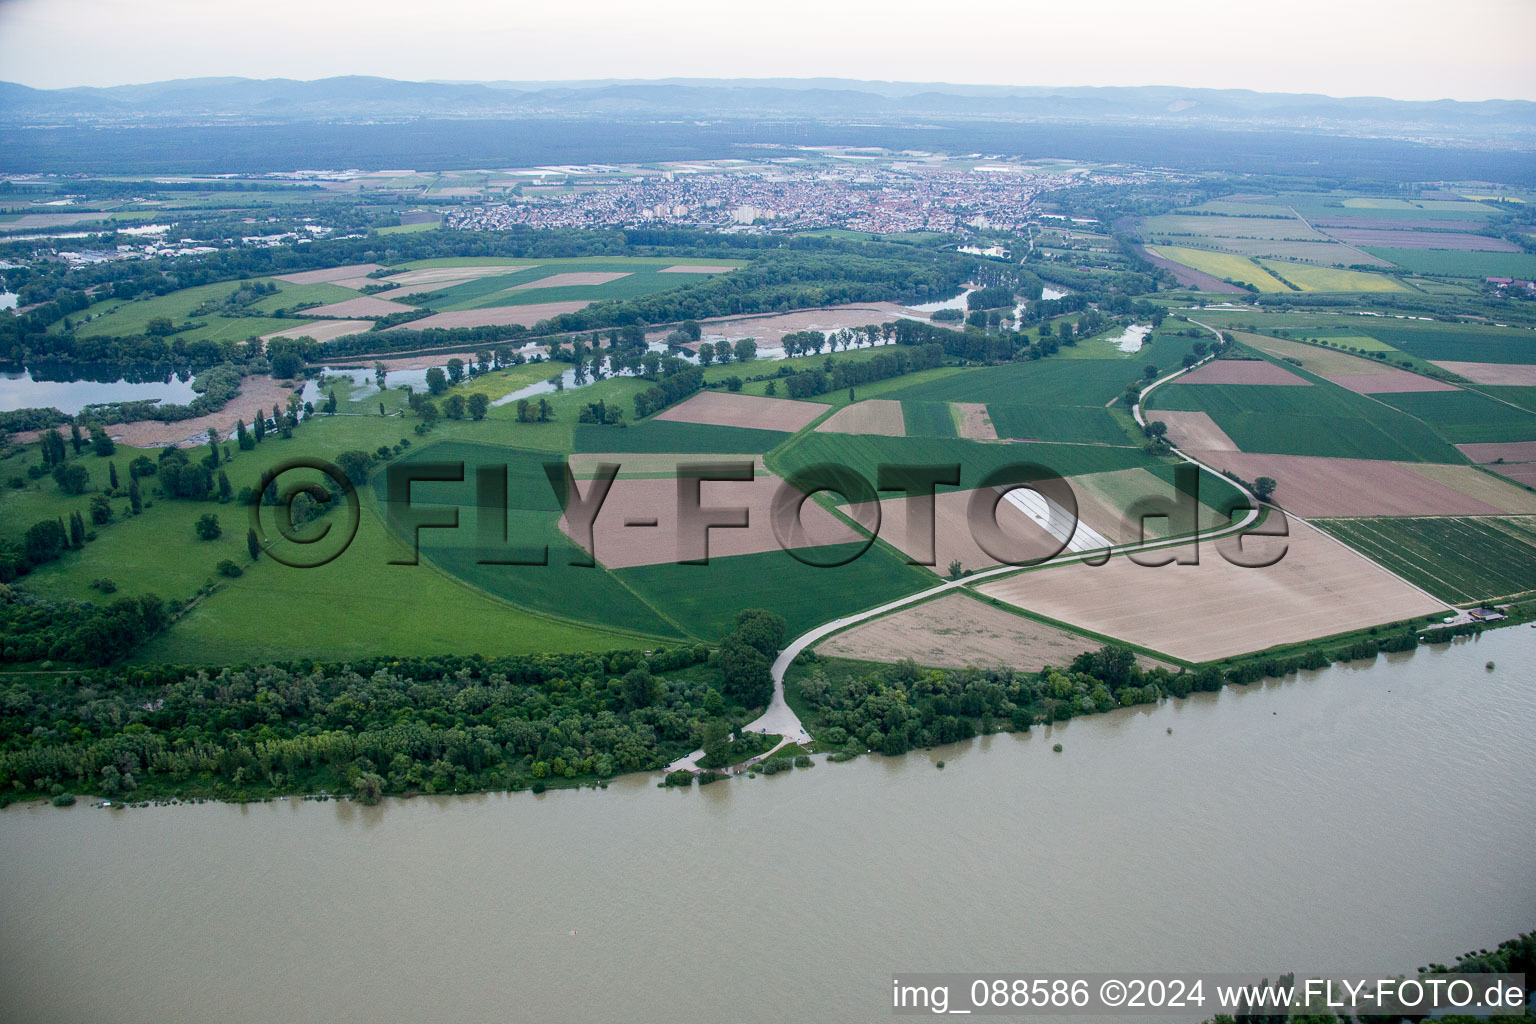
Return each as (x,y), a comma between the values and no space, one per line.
(1324,420)
(1092,424)
(865,453)
(1525,398)
(1452,263)
(354,606)
(1458,342)
(1458,559)
(1362,342)
(120,318)
(1330,279)
(707,597)
(1051,381)
(521,287)
(673,437)
(1464,417)
(929,419)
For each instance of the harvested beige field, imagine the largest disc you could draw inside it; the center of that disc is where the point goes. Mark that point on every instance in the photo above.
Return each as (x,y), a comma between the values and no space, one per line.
(1216,609)
(1363,376)
(975,421)
(1311,486)
(644,500)
(1493,451)
(1242,371)
(357,284)
(1478,485)
(728,410)
(496,315)
(957,631)
(1325,362)
(1194,430)
(257,394)
(333,275)
(440,277)
(875,416)
(1389,382)
(695,268)
(1515,375)
(365,305)
(571,280)
(1520,472)
(323,330)
(952,538)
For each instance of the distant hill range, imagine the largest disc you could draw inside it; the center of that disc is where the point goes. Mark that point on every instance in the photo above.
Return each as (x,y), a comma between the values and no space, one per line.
(354,99)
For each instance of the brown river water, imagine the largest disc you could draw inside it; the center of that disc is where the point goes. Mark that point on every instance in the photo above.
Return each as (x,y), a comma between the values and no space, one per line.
(1357,818)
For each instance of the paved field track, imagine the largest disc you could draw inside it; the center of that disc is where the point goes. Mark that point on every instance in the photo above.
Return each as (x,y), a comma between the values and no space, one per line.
(874,416)
(1216,609)
(1241,371)
(956,631)
(727,410)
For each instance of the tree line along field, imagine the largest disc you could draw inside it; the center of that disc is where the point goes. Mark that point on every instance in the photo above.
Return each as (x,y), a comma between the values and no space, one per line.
(1459,559)
(360,603)
(1466,417)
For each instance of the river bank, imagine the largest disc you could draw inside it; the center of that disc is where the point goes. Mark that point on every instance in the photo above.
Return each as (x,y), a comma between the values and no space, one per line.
(1353,818)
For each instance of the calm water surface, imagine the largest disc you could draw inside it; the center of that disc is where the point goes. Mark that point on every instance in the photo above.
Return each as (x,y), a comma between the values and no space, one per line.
(1358,818)
(21,391)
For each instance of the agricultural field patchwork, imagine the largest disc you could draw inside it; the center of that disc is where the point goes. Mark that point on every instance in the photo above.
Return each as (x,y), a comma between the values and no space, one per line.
(1325,420)
(1459,559)
(1223,265)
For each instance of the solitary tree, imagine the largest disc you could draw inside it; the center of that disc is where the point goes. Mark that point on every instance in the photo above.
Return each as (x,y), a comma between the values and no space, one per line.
(1264,487)
(208,527)
(478,405)
(253,543)
(101,444)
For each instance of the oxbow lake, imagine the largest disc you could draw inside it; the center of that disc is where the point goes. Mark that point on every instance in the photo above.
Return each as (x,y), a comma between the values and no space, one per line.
(22,391)
(1359,818)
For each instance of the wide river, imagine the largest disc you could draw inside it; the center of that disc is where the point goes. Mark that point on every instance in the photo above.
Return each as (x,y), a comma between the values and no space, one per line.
(1357,818)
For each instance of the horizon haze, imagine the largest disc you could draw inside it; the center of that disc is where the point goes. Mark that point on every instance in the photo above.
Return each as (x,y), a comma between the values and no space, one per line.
(1369,49)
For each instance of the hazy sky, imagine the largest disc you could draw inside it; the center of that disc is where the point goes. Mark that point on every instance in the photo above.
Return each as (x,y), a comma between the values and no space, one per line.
(1409,49)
